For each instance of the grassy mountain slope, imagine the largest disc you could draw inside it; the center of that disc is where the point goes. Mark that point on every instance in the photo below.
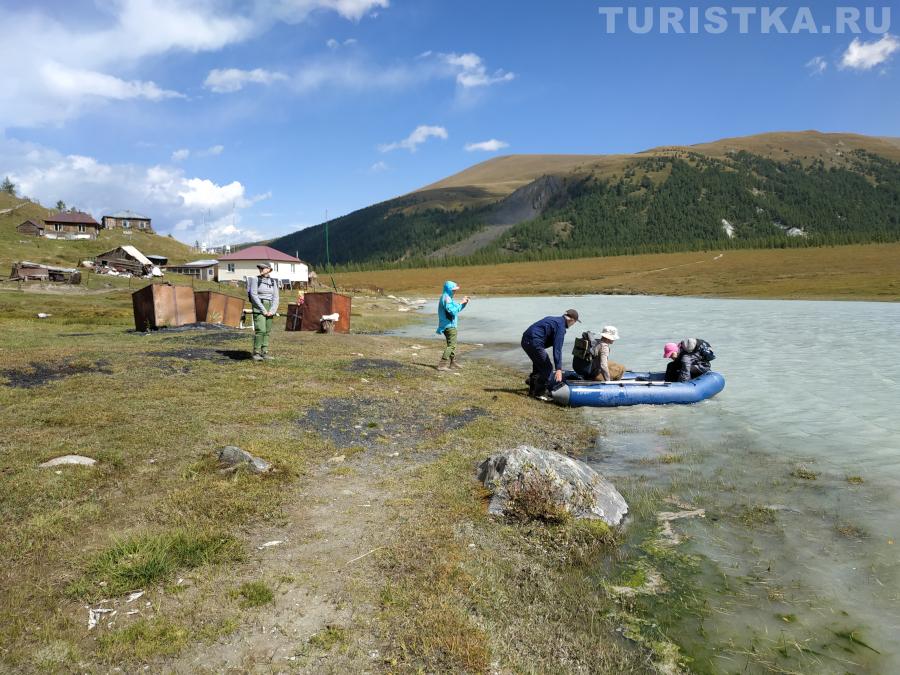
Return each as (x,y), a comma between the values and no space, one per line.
(15,246)
(835,188)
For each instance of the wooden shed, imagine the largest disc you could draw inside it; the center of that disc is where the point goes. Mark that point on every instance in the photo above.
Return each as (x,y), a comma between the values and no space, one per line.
(29,271)
(31,227)
(163,305)
(124,259)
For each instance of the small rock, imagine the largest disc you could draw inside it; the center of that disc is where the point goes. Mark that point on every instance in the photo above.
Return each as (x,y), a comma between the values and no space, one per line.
(77,460)
(339,459)
(233,456)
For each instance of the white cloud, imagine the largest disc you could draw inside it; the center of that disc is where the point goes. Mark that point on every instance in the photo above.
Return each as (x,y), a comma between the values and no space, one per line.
(223,81)
(817,65)
(868,55)
(176,201)
(334,44)
(295,11)
(419,136)
(472,72)
(183,153)
(379,167)
(492,145)
(60,69)
(69,82)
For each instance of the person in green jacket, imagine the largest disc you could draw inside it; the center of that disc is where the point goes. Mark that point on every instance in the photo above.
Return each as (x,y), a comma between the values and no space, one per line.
(448,311)
(263,293)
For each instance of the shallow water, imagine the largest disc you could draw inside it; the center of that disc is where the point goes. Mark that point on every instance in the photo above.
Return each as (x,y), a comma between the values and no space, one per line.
(814,585)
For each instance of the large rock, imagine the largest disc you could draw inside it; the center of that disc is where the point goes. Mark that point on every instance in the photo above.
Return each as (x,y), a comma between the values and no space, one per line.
(233,456)
(534,483)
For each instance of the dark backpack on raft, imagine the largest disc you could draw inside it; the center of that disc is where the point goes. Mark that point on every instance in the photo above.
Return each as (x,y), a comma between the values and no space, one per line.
(585,346)
(704,351)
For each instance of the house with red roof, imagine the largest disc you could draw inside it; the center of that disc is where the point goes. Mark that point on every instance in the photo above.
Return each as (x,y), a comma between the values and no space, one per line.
(241,264)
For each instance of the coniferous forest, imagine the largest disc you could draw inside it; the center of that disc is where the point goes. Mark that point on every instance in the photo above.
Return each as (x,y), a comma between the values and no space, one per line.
(684,201)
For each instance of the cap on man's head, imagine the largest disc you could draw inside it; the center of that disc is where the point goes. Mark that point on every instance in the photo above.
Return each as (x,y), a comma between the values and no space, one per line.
(265,266)
(572,314)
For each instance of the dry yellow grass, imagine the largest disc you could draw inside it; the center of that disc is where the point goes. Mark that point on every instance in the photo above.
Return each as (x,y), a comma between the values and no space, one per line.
(870,272)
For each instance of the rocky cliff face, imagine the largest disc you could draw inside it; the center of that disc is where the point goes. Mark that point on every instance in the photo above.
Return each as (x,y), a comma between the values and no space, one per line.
(527,202)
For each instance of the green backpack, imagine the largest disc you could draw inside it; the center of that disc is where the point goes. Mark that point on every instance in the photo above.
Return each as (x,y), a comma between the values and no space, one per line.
(585,346)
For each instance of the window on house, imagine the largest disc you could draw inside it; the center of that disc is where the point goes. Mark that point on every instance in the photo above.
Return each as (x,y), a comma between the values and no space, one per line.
(81,228)
(58,227)
(276,266)
(292,268)
(126,223)
(231,267)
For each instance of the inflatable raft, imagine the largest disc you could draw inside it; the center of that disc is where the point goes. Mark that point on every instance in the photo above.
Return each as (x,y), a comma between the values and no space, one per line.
(637,389)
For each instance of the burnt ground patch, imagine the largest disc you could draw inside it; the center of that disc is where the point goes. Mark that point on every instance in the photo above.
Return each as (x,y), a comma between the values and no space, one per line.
(384,367)
(39,374)
(218,337)
(204,354)
(371,423)
(455,421)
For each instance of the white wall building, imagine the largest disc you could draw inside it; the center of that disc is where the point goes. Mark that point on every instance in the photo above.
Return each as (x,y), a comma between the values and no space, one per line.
(242,264)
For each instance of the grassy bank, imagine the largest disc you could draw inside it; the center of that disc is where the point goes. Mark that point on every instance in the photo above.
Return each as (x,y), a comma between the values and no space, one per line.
(870,272)
(368,547)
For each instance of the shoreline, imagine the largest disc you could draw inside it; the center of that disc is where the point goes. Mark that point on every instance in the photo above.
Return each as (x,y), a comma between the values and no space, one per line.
(854,272)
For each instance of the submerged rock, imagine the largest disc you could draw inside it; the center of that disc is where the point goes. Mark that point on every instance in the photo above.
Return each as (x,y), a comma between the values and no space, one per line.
(233,456)
(541,484)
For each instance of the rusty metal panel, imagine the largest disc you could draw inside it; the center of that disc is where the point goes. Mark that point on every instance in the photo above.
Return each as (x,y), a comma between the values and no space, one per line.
(294,317)
(318,305)
(219,308)
(161,305)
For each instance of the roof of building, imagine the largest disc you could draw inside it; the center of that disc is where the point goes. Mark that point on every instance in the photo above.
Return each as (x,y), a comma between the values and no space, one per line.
(127,214)
(133,252)
(260,253)
(198,263)
(34,222)
(72,217)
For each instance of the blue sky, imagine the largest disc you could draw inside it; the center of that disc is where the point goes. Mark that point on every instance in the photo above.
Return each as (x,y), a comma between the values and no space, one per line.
(232,120)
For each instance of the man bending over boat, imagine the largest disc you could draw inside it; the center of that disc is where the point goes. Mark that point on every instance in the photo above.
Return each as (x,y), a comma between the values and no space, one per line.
(548,332)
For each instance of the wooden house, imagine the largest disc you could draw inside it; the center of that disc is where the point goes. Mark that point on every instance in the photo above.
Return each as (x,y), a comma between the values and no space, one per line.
(71,225)
(127,220)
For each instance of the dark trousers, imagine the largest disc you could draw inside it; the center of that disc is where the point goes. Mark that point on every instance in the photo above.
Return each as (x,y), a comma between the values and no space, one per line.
(541,368)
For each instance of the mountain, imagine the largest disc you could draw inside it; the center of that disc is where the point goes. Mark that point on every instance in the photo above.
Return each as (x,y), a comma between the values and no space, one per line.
(15,246)
(771,190)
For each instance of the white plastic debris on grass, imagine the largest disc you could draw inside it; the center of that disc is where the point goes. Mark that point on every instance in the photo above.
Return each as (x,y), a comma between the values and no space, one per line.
(43,315)
(134,596)
(270,544)
(95,614)
(68,459)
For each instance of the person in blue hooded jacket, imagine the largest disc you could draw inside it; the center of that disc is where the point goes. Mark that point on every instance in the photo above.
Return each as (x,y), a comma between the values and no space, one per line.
(548,332)
(448,312)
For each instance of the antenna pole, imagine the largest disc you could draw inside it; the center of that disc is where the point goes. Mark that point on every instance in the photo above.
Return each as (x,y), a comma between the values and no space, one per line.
(328,253)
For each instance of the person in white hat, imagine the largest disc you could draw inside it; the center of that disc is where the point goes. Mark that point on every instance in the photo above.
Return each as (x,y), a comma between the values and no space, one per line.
(263,294)
(593,362)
